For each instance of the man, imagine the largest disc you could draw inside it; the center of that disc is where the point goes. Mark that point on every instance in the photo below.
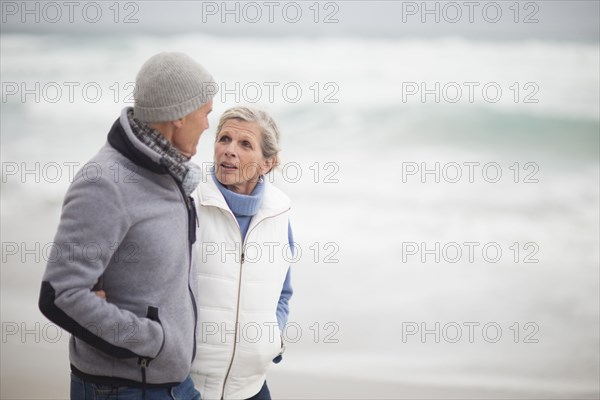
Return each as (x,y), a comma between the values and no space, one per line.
(121,278)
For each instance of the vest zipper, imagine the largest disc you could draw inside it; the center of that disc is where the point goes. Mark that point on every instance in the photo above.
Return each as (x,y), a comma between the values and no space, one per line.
(237,311)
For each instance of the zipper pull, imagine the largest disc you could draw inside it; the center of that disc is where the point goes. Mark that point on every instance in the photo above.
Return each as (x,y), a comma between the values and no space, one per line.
(143,362)
(242,257)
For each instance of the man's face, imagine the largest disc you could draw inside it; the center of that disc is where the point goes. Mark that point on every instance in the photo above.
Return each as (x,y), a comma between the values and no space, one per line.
(186,137)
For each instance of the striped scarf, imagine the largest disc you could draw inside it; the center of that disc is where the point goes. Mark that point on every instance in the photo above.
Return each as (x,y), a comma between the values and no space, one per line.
(178,165)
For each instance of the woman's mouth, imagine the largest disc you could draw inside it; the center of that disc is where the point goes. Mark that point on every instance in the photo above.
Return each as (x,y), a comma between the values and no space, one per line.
(228,167)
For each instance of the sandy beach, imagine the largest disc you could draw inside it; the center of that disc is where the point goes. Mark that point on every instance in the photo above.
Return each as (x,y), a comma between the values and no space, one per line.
(35,365)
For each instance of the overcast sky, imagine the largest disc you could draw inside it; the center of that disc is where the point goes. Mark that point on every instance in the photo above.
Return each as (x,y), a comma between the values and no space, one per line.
(504,19)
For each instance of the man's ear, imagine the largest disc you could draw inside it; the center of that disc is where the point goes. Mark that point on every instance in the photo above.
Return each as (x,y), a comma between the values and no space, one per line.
(178,123)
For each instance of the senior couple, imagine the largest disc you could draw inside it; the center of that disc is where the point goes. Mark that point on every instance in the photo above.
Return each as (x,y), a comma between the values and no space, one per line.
(151,315)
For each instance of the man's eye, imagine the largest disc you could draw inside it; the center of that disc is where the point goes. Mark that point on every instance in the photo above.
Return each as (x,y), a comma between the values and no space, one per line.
(224,139)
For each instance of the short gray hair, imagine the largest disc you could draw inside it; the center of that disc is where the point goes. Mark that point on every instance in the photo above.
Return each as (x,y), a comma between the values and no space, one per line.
(269,131)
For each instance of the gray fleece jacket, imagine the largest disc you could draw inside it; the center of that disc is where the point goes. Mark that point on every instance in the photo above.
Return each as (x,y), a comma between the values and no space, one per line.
(126,227)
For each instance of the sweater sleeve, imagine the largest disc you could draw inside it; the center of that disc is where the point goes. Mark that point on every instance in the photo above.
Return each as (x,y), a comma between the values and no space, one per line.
(93,223)
(283,308)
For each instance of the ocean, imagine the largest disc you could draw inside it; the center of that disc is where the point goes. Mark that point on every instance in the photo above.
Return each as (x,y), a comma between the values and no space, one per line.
(445,199)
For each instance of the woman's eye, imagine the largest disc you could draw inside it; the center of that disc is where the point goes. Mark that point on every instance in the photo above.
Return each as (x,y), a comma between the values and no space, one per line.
(246,144)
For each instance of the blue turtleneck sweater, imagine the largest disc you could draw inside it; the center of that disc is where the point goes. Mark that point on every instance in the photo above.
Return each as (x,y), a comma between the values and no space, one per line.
(244,207)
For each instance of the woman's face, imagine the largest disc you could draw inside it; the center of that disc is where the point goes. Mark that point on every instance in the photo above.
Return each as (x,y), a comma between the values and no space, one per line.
(239,161)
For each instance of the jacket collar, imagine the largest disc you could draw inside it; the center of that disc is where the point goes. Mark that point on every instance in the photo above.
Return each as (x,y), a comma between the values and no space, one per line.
(121,138)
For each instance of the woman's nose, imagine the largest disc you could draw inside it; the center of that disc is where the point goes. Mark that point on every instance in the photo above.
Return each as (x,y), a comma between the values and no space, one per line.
(230,151)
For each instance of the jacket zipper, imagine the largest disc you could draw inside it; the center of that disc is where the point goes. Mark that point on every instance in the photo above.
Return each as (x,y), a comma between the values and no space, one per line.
(237,311)
(191,224)
(195,308)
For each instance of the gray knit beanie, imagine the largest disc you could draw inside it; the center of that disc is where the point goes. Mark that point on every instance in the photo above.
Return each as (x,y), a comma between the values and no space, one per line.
(170,86)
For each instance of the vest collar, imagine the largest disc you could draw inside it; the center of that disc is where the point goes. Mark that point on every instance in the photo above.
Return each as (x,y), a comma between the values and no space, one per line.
(274,201)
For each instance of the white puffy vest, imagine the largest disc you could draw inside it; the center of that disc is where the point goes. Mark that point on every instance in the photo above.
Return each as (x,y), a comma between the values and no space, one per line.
(239,284)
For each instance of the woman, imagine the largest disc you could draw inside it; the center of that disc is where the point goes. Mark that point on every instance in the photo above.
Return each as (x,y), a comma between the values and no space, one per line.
(244,241)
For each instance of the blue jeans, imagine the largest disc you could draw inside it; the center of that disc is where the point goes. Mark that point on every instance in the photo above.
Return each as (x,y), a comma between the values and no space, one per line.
(81,390)
(264,393)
